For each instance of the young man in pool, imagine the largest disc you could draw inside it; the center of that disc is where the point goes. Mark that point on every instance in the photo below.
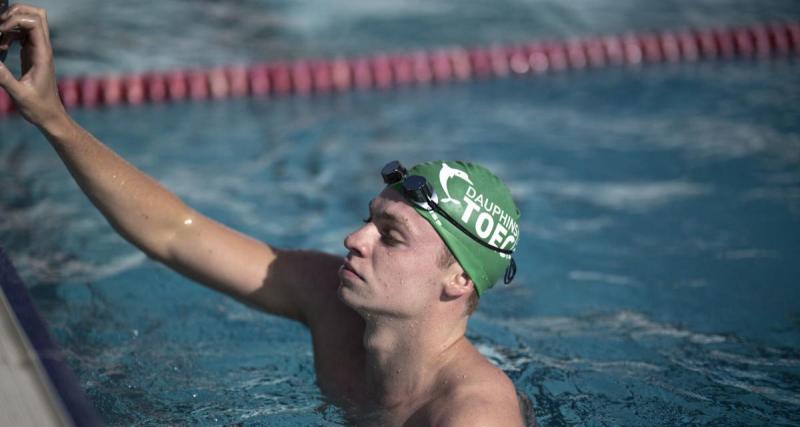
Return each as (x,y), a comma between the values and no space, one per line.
(387,322)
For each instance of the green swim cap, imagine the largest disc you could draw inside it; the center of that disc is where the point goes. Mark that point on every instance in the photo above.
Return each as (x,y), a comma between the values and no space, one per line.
(481,203)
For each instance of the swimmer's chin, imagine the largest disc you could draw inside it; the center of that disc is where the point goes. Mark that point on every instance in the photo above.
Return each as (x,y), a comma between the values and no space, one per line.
(342,280)
(342,291)
(346,292)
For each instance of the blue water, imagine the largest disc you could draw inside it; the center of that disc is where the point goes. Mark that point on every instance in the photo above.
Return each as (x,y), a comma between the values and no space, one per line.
(658,264)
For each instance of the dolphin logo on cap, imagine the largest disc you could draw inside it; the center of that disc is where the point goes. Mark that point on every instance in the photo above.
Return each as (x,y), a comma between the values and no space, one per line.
(445,174)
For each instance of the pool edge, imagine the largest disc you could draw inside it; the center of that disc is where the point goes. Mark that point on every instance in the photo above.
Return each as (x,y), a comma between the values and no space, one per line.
(65,396)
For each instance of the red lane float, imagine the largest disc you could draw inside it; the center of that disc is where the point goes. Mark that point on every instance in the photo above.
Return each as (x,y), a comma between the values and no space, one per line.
(133,89)
(258,79)
(384,71)
(5,103)
(595,52)
(69,91)
(322,80)
(89,92)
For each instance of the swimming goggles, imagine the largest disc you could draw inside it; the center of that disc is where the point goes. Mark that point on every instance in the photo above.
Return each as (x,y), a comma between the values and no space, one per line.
(420,192)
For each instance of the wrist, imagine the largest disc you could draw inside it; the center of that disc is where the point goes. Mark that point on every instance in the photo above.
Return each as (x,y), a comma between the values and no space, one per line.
(57,126)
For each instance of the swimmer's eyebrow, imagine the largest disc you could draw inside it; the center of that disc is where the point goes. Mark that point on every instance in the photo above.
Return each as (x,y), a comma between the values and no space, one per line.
(398,221)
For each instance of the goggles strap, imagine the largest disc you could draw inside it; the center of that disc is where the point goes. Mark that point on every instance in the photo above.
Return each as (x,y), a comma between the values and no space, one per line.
(511,271)
(447,216)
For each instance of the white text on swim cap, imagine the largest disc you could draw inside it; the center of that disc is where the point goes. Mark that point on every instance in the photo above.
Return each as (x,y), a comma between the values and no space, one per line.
(485,224)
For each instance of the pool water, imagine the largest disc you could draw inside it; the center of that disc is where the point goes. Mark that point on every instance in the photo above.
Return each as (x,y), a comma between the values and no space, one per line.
(660,248)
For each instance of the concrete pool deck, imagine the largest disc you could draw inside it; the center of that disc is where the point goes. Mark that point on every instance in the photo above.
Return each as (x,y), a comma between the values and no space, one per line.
(26,396)
(37,387)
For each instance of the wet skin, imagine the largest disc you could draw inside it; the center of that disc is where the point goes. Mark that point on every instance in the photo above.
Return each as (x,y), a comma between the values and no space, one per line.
(411,360)
(387,323)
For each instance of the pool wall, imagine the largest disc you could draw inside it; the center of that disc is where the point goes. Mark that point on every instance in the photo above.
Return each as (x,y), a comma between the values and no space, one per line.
(62,381)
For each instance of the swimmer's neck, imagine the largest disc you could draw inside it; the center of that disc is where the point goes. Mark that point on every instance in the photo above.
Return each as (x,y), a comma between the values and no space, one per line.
(405,356)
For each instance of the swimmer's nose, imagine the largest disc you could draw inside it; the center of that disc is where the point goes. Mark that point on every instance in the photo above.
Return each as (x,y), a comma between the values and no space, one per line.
(356,242)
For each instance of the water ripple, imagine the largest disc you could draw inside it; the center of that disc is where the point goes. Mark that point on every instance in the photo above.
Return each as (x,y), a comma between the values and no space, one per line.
(625,322)
(637,197)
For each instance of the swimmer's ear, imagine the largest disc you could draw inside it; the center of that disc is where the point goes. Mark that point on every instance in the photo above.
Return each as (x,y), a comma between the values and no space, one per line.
(458,283)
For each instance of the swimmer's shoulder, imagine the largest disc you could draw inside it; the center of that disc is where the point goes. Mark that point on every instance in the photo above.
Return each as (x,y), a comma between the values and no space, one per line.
(474,392)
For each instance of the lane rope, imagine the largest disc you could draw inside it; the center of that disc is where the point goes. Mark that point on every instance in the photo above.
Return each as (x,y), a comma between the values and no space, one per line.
(383,71)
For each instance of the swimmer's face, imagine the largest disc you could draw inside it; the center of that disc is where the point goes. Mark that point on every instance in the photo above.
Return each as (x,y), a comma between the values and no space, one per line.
(393,265)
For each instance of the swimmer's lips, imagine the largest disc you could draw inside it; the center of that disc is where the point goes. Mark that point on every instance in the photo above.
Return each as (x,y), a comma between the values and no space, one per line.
(347,267)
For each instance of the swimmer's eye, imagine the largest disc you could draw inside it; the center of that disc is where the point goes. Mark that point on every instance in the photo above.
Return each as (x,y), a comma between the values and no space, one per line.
(388,239)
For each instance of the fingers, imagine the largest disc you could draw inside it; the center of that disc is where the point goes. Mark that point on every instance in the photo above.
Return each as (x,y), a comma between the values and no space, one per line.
(32,27)
(9,82)
(29,14)
(28,24)
(9,37)
(35,93)
(28,10)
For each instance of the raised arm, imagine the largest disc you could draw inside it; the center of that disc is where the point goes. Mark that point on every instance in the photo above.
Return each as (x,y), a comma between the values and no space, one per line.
(144,212)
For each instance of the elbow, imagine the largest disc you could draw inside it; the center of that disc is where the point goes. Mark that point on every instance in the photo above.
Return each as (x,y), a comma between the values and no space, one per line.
(169,239)
(160,242)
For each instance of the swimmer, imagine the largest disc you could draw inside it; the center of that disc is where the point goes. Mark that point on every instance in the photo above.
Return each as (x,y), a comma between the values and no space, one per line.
(387,322)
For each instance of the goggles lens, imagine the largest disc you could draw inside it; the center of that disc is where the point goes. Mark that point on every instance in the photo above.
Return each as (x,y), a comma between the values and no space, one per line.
(393,172)
(419,191)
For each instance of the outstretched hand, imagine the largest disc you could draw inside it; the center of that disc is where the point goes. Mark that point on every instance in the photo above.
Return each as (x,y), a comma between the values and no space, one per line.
(35,93)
